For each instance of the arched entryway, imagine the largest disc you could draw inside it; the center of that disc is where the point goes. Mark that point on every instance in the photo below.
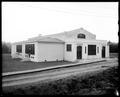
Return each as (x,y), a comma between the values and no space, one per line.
(79,52)
(103,51)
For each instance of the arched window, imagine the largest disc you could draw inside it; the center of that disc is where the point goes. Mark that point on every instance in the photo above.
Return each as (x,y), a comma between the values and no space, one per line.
(81,36)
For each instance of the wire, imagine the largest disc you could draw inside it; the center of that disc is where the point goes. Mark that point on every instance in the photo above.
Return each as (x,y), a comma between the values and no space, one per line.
(68,11)
(77,13)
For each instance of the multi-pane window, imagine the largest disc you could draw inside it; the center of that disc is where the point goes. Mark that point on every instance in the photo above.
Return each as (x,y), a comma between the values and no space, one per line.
(30,49)
(19,48)
(85,50)
(69,47)
(80,36)
(91,49)
(97,49)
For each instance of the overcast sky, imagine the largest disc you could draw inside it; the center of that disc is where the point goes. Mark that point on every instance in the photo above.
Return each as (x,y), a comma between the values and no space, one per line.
(23,20)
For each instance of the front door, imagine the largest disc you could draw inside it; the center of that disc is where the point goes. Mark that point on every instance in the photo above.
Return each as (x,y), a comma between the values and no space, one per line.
(103,52)
(79,52)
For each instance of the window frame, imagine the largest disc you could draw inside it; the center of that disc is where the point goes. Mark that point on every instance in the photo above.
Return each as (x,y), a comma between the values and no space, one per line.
(81,36)
(97,49)
(30,49)
(19,48)
(68,47)
(91,49)
(85,49)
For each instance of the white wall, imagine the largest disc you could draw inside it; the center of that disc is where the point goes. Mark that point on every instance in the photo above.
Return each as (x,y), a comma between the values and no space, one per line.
(107,51)
(49,51)
(32,56)
(13,51)
(84,55)
(73,34)
(22,55)
(14,54)
(98,54)
(70,55)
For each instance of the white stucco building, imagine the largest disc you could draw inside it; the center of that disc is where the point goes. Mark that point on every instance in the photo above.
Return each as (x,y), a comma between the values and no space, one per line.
(72,45)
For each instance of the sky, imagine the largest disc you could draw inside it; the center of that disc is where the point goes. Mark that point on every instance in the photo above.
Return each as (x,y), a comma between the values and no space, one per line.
(23,20)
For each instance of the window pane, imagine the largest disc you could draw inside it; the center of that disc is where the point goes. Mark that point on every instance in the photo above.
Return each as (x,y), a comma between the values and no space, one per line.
(69,48)
(29,49)
(19,48)
(97,49)
(91,49)
(85,50)
(81,36)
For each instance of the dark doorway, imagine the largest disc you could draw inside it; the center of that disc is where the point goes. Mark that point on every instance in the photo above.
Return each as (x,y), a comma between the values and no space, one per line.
(79,52)
(103,52)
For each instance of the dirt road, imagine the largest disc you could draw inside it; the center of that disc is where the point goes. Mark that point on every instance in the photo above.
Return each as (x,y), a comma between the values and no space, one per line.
(56,73)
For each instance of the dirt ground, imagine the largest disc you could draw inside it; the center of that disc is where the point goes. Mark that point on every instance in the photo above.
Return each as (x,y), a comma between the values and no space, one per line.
(94,83)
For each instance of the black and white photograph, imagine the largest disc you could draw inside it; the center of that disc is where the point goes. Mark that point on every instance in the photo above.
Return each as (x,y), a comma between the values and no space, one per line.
(60,48)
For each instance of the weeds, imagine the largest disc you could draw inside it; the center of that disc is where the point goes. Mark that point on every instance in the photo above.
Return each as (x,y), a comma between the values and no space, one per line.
(100,84)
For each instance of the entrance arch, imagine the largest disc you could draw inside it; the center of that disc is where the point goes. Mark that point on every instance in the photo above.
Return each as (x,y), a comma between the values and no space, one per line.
(103,51)
(79,52)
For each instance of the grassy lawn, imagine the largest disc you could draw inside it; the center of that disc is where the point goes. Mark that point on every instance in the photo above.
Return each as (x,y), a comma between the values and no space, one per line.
(10,65)
(99,83)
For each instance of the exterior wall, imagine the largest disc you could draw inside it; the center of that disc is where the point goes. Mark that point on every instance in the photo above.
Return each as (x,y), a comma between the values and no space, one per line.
(73,34)
(15,54)
(57,51)
(84,55)
(35,59)
(70,55)
(49,52)
(32,56)
(13,51)
(22,55)
(98,55)
(107,51)
(23,50)
(54,51)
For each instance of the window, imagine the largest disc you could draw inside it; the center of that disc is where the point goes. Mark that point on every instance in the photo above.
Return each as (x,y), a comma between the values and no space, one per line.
(30,49)
(85,50)
(19,48)
(91,49)
(69,47)
(97,49)
(81,36)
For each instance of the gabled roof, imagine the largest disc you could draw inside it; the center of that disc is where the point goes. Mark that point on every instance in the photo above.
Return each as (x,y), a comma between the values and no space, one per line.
(72,31)
(59,37)
(41,39)
(49,39)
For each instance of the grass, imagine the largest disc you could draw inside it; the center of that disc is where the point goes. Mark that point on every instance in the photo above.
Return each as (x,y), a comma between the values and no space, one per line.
(10,65)
(100,83)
